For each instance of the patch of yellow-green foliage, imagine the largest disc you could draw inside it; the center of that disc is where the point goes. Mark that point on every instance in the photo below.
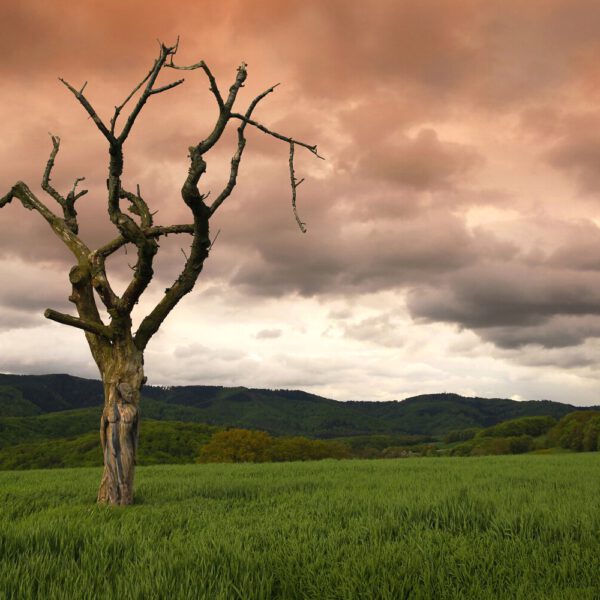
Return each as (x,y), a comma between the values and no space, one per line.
(243,445)
(477,528)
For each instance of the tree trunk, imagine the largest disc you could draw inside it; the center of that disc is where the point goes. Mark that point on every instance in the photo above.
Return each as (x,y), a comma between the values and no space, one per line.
(122,376)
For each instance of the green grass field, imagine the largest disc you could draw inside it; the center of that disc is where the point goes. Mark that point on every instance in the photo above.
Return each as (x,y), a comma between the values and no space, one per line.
(491,527)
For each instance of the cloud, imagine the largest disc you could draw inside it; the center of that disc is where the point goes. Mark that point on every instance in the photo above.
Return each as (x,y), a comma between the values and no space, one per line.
(513,305)
(11,319)
(33,288)
(268,334)
(581,250)
(561,331)
(423,162)
(578,156)
(381,329)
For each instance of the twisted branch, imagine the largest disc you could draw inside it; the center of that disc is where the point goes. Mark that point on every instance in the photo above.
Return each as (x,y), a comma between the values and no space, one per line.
(89,326)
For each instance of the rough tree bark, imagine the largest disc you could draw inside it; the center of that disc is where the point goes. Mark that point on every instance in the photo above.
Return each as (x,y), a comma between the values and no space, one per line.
(116,349)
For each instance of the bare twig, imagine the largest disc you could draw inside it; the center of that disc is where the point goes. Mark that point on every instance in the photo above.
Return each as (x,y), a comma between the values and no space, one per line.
(119,108)
(224,114)
(295,184)
(48,170)
(165,52)
(237,157)
(76,196)
(68,203)
(138,207)
(62,229)
(89,109)
(214,240)
(284,138)
(202,65)
(169,86)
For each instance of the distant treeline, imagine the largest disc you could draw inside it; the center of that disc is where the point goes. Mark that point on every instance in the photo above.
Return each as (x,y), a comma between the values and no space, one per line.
(278,412)
(164,442)
(52,421)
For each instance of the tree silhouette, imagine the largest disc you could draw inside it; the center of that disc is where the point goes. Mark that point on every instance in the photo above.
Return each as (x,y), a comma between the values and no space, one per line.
(116,349)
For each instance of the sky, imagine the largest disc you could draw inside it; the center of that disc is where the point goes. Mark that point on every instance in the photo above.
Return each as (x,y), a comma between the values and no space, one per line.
(453,239)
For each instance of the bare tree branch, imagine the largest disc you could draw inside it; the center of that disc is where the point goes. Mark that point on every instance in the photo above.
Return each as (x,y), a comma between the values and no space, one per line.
(90,326)
(30,201)
(119,108)
(48,170)
(77,195)
(165,52)
(295,183)
(154,232)
(169,86)
(184,283)
(82,295)
(213,83)
(89,109)
(68,203)
(100,282)
(129,229)
(235,161)
(284,138)
(195,200)
(224,112)
(237,157)
(138,207)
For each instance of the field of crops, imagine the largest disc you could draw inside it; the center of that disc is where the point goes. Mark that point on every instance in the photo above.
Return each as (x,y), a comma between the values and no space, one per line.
(490,527)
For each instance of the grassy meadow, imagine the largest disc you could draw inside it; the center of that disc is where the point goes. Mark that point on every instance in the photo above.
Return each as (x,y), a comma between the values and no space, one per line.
(486,527)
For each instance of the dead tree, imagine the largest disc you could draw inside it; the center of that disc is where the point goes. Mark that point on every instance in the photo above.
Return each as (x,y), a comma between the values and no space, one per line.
(116,349)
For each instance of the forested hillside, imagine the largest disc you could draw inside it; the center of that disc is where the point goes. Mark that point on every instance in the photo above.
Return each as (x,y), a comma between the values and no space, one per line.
(53,420)
(24,400)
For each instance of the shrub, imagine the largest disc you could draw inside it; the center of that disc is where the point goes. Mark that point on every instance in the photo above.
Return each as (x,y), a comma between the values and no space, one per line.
(461,435)
(532,426)
(577,431)
(243,445)
(237,445)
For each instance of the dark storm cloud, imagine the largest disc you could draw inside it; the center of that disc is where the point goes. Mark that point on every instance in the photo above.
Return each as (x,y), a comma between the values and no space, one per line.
(514,305)
(559,331)
(338,257)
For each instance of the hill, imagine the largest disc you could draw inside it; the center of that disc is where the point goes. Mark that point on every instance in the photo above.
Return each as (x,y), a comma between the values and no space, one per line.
(34,408)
